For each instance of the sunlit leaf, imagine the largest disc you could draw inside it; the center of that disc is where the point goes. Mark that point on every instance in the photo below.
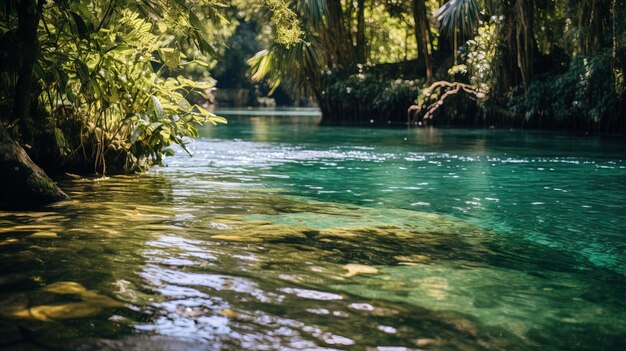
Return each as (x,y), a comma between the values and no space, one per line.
(158,108)
(171,57)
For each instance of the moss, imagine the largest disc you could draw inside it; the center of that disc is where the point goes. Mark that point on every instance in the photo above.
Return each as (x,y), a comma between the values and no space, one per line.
(24,183)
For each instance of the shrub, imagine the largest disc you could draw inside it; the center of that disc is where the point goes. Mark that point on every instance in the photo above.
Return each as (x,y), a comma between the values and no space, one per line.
(582,96)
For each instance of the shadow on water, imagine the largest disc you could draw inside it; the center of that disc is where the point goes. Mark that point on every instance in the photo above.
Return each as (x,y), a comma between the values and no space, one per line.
(216,252)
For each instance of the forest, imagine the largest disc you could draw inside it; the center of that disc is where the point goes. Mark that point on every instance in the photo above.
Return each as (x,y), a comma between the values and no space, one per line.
(107,86)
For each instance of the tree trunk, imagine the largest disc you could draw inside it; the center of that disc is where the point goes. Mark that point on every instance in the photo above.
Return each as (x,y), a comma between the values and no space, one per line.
(593,24)
(421,34)
(24,184)
(517,46)
(29,14)
(360,33)
(339,47)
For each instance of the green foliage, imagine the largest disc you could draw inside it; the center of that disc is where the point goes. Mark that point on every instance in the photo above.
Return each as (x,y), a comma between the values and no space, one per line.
(111,80)
(299,63)
(481,57)
(390,32)
(368,96)
(285,21)
(583,94)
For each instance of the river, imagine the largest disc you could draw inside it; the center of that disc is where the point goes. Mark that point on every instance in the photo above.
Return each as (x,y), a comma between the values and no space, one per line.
(279,234)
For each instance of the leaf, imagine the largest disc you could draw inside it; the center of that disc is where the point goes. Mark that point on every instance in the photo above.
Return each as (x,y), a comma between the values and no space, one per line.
(191,83)
(40,72)
(171,57)
(81,26)
(206,48)
(115,95)
(83,73)
(195,22)
(201,63)
(158,108)
(60,138)
(165,133)
(217,119)
(70,96)
(210,116)
(116,48)
(184,104)
(138,131)
(61,78)
(154,126)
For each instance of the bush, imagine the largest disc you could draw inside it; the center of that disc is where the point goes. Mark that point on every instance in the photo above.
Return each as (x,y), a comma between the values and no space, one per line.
(584,97)
(369,96)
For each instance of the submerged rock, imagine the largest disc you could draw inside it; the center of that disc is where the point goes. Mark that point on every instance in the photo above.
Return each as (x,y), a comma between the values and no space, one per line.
(91,304)
(68,310)
(353,237)
(355,269)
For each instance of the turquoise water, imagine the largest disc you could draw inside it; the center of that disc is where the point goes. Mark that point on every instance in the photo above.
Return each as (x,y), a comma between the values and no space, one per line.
(280,234)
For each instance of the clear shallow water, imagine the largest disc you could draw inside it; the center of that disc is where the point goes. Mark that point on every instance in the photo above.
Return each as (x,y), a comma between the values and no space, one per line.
(279,234)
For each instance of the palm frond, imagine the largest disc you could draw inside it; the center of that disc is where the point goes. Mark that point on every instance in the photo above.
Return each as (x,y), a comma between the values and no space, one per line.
(296,66)
(313,11)
(458,15)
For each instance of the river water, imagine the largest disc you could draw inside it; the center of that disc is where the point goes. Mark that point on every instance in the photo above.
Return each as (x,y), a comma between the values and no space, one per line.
(279,234)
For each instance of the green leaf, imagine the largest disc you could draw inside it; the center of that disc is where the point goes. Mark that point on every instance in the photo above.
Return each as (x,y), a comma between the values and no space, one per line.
(195,21)
(184,104)
(40,72)
(165,133)
(136,133)
(70,96)
(81,26)
(191,83)
(206,48)
(154,126)
(60,138)
(168,152)
(201,63)
(211,117)
(171,57)
(158,107)
(83,73)
(60,77)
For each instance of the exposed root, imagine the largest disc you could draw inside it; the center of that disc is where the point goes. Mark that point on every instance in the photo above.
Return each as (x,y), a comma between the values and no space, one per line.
(445,89)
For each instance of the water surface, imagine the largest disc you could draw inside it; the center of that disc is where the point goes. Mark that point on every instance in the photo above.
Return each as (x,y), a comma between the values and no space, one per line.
(279,234)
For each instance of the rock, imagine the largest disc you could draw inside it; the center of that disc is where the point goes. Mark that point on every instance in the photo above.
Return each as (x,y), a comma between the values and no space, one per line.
(356,269)
(24,184)
(91,303)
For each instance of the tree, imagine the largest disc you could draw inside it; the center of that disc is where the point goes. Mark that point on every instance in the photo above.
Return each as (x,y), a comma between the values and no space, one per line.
(84,71)
(517,45)
(28,17)
(361,45)
(422,34)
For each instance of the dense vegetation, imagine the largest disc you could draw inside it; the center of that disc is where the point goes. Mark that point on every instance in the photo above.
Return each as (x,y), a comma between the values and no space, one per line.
(533,63)
(96,86)
(107,86)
